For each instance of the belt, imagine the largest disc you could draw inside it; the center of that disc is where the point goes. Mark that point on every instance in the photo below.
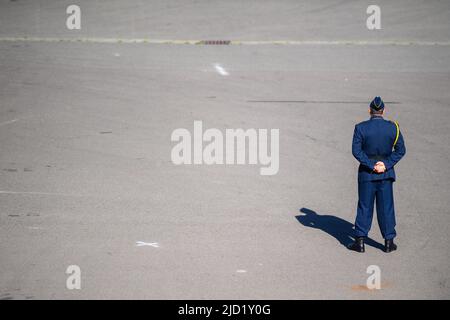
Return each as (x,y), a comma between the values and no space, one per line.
(378,158)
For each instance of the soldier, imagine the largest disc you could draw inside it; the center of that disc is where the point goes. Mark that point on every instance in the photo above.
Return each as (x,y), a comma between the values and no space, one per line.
(378,145)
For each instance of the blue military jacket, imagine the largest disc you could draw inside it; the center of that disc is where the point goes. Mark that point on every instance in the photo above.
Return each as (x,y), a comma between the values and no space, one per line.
(373,141)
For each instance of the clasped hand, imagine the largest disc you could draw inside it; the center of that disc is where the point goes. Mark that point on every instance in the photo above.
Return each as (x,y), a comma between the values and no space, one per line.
(379,167)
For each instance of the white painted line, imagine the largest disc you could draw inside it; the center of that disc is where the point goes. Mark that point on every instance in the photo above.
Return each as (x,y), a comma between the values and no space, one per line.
(37,193)
(34,228)
(8,122)
(221,70)
(241,271)
(150,244)
(99,40)
(231,42)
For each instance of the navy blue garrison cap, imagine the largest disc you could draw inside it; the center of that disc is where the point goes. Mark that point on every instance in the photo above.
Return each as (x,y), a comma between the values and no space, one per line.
(377,104)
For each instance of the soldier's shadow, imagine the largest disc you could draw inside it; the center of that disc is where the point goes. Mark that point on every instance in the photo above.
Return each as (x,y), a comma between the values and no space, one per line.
(336,227)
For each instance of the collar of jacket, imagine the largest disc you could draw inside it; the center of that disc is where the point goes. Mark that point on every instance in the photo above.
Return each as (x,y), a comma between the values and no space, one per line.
(374,116)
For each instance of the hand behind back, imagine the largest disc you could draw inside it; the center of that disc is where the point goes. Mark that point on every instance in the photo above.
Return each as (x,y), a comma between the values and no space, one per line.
(379,167)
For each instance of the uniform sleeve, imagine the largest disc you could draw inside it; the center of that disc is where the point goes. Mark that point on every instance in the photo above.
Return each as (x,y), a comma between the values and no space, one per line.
(397,154)
(358,152)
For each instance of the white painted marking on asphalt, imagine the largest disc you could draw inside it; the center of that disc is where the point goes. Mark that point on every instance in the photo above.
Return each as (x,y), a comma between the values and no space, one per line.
(221,70)
(37,193)
(8,122)
(150,244)
(116,54)
(241,271)
(232,42)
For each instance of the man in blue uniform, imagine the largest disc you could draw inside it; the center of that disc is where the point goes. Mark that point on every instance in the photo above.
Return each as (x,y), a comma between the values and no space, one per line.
(378,145)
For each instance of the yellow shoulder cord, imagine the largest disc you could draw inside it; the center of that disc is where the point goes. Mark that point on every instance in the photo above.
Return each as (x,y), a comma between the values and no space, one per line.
(398,133)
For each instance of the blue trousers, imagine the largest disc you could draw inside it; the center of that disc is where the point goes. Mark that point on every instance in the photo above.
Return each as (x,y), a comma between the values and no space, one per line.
(381,192)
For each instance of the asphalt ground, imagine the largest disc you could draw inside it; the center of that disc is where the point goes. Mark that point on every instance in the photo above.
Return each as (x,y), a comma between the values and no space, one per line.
(86,172)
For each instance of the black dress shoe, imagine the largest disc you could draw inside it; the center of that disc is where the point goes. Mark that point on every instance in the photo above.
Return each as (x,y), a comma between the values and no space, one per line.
(389,245)
(358,245)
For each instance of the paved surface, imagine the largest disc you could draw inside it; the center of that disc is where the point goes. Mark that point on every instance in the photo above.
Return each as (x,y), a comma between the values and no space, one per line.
(85,169)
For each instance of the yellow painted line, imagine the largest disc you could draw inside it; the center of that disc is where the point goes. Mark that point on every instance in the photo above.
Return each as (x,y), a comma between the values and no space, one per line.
(231,42)
(343,42)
